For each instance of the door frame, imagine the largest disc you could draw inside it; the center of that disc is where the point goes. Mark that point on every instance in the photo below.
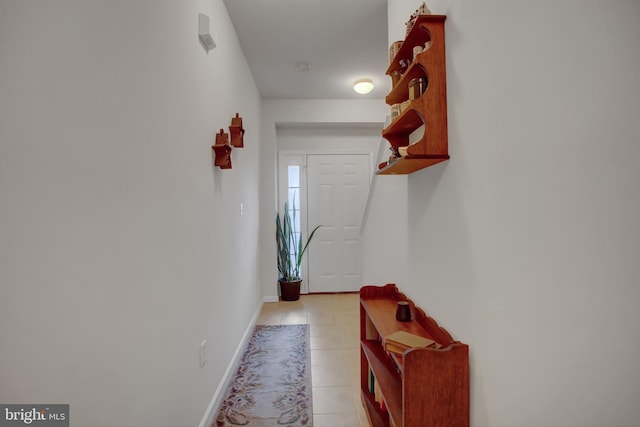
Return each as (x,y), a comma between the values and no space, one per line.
(285,159)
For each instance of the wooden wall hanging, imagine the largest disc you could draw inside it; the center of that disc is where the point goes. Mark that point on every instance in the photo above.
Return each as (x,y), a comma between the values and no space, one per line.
(222,150)
(236,131)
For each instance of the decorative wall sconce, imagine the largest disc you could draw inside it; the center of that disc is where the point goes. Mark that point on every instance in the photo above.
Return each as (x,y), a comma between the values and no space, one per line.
(222,150)
(237,132)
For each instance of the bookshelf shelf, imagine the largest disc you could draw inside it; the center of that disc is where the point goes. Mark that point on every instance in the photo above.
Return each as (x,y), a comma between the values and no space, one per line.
(377,418)
(421,387)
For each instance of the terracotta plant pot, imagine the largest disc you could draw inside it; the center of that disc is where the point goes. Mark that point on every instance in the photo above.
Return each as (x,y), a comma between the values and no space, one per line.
(290,291)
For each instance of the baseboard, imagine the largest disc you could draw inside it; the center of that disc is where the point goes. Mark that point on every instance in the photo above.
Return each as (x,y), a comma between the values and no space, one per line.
(271,298)
(207,419)
(334,293)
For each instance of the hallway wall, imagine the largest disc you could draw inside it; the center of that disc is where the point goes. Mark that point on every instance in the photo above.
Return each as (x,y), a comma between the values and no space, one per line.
(122,246)
(525,244)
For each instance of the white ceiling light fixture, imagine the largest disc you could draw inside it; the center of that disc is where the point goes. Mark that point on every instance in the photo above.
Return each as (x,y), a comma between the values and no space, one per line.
(363,86)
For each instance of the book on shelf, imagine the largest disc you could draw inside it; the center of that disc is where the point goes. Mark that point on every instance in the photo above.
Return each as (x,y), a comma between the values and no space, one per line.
(372,381)
(377,393)
(400,341)
(374,388)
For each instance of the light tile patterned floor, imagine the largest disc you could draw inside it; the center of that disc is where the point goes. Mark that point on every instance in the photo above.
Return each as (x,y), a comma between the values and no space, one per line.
(335,354)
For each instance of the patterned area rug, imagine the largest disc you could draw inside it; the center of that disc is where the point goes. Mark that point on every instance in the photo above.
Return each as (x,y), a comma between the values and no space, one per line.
(272,386)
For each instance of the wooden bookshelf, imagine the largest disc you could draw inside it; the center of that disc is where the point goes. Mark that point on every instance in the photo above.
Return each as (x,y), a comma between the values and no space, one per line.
(424,386)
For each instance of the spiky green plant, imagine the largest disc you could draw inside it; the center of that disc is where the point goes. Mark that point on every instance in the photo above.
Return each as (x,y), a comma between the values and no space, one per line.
(290,249)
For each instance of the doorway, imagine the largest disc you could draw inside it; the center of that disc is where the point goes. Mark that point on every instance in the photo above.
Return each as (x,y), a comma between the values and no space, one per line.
(330,190)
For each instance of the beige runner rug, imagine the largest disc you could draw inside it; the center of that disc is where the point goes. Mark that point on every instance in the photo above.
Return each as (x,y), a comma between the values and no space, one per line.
(272,385)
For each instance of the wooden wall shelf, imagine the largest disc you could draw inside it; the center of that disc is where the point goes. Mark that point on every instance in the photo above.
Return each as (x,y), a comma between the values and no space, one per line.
(409,164)
(428,110)
(222,150)
(223,147)
(237,132)
(423,386)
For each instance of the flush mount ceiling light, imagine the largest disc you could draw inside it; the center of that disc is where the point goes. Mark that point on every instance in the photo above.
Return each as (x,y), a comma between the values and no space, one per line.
(363,86)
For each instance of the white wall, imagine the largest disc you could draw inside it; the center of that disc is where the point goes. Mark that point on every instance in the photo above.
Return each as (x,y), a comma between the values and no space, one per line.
(290,113)
(525,245)
(333,138)
(122,246)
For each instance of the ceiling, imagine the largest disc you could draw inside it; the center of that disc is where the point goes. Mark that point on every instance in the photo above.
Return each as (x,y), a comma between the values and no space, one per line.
(340,40)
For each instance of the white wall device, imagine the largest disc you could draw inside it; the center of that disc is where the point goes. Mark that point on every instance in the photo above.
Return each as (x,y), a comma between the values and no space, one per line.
(203,32)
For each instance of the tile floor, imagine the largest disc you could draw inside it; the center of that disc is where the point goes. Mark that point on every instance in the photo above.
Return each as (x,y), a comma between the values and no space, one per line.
(335,354)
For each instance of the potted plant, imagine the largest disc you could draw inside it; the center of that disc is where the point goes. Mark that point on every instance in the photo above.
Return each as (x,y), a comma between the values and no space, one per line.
(290,252)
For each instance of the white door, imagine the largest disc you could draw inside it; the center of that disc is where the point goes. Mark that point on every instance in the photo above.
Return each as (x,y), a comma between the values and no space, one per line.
(337,187)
